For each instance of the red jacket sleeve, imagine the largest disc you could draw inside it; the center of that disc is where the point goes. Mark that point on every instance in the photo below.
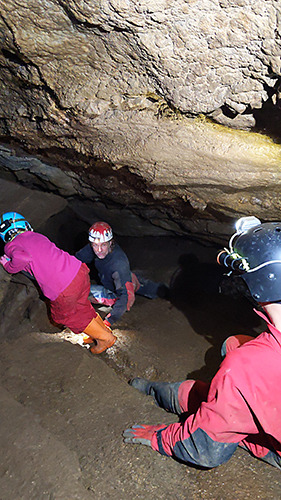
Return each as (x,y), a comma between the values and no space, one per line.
(210,436)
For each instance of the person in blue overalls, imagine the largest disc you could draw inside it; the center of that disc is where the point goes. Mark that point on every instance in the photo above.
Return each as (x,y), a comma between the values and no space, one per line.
(118,283)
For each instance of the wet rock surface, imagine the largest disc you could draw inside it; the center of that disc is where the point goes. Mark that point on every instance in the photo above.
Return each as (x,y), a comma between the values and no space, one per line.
(63,410)
(117,56)
(183,195)
(123,97)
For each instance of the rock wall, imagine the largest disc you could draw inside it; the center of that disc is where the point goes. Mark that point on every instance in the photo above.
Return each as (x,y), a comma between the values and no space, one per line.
(200,56)
(109,91)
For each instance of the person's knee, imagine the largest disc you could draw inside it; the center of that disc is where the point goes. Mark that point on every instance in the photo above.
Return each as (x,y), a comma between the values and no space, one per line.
(233,342)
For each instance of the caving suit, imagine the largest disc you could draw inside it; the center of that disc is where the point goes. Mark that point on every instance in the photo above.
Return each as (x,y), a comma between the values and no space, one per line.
(61,277)
(119,284)
(240,407)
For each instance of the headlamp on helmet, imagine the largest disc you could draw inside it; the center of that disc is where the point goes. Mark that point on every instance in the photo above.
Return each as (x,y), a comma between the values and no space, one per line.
(229,257)
(255,252)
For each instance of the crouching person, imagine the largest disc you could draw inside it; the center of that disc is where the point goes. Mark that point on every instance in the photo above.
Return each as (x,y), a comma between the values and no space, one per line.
(63,279)
(242,404)
(119,284)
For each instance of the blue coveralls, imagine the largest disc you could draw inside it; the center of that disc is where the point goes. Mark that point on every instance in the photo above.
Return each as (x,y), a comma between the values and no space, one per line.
(118,283)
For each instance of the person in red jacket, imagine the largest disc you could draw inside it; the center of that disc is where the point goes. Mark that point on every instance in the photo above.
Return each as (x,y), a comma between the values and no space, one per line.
(242,404)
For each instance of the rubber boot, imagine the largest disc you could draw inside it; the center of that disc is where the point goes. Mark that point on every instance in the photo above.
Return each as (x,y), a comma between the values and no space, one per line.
(99,332)
(141,384)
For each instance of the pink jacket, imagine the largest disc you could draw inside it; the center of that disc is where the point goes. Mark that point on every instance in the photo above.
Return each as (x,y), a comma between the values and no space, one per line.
(52,268)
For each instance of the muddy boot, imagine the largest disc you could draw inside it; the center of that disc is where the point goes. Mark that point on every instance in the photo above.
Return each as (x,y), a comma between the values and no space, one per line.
(141,384)
(102,345)
(101,334)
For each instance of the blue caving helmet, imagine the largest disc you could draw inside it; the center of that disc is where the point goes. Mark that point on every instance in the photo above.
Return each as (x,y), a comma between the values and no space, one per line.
(11,224)
(256,250)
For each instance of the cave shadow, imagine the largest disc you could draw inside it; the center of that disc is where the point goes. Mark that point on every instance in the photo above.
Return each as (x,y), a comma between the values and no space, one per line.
(215,305)
(268,118)
(23,307)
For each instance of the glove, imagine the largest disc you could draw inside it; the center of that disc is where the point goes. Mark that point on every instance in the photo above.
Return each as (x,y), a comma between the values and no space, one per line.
(141,434)
(4,259)
(107,323)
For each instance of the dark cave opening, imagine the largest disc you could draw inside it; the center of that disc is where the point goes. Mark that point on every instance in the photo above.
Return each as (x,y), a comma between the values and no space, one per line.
(268,120)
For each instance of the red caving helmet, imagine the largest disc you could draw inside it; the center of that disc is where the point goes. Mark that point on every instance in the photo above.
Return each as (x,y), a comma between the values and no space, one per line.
(100,232)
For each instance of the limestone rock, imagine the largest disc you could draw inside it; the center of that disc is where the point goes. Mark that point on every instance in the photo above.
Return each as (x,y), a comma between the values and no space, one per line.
(107,91)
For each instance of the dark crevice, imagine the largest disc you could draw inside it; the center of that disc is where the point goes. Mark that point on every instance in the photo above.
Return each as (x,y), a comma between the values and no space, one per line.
(268,120)
(228,112)
(268,117)
(13,57)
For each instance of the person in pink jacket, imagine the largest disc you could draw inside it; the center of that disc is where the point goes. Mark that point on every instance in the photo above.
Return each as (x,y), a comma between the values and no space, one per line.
(242,404)
(63,279)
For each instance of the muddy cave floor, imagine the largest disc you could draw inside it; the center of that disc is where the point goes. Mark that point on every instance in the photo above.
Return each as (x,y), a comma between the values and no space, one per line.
(63,410)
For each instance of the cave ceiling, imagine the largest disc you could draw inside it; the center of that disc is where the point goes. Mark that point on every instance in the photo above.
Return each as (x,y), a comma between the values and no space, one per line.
(170,109)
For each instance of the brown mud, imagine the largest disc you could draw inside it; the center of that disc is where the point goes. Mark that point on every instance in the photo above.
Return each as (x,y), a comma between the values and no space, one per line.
(63,409)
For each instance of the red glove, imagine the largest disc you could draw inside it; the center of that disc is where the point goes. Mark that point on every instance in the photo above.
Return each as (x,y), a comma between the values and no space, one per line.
(141,434)
(107,323)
